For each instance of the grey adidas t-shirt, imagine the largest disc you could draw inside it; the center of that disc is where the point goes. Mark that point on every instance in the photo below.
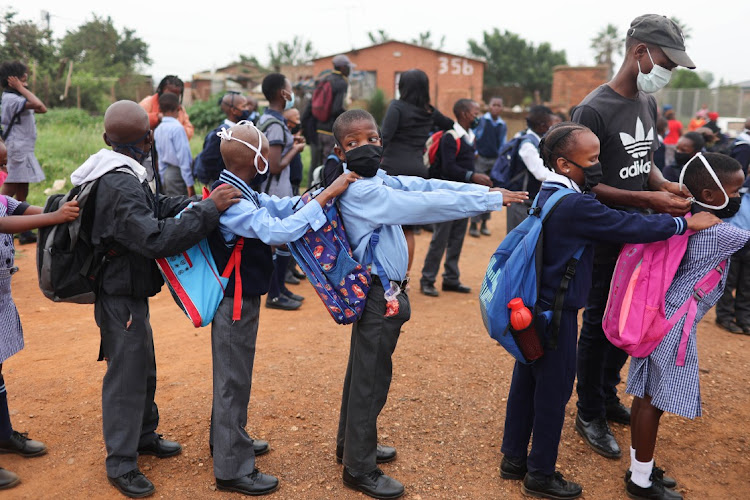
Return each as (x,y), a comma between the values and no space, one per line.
(626,129)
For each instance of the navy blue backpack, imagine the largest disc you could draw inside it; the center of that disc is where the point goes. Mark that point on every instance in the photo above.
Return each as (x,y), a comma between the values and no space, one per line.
(509,172)
(515,271)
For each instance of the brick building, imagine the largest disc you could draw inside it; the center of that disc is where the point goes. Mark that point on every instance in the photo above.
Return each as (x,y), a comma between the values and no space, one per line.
(570,84)
(240,77)
(452,77)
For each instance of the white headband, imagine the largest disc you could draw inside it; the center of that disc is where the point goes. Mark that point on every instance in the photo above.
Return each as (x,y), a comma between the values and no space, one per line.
(226,135)
(713,175)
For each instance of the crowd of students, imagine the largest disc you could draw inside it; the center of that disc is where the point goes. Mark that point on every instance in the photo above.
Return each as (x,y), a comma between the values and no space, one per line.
(252,163)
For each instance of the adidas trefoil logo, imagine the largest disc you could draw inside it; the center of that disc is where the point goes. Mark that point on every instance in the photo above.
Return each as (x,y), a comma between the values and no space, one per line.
(638,147)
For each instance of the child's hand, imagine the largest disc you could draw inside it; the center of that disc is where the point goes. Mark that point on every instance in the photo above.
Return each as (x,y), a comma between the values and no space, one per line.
(665,202)
(67,212)
(702,220)
(15,83)
(224,196)
(341,183)
(481,179)
(512,196)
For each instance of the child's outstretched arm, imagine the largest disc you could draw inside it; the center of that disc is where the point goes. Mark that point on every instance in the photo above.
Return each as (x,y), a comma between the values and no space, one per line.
(512,196)
(33,218)
(32,101)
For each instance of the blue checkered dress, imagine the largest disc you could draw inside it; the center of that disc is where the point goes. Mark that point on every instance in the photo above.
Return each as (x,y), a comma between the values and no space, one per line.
(11,334)
(673,388)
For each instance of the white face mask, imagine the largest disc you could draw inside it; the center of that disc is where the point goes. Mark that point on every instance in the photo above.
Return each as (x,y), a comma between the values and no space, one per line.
(713,175)
(226,135)
(656,80)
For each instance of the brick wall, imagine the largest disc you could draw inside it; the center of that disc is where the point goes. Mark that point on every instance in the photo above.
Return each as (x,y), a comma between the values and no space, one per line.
(570,84)
(451,77)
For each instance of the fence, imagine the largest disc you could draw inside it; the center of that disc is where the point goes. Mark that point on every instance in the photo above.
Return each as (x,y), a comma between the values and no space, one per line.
(727,101)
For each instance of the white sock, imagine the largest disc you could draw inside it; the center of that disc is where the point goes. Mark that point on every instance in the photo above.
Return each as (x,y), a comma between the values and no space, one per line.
(632,458)
(641,472)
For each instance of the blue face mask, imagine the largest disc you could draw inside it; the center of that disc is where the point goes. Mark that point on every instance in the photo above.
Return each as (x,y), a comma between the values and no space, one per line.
(289,104)
(130,149)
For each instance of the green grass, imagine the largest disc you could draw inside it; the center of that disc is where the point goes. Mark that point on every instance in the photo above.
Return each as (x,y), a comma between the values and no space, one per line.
(67,137)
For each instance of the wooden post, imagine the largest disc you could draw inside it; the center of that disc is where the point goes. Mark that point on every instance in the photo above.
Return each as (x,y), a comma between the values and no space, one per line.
(33,76)
(67,82)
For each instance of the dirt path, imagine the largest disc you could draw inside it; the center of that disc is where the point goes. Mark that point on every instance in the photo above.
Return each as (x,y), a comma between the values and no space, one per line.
(445,412)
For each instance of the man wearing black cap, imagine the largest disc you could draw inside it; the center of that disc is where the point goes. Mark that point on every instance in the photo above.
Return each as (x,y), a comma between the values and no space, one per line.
(338,80)
(622,113)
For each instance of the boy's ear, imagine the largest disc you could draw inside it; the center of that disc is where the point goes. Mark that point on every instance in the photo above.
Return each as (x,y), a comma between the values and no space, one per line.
(707,196)
(106,140)
(338,152)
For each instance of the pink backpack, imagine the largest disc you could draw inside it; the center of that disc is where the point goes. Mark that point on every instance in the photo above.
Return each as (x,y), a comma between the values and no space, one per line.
(635,319)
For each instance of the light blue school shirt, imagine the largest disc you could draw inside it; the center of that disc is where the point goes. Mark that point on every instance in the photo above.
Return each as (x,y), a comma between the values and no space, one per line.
(267,218)
(173,148)
(389,201)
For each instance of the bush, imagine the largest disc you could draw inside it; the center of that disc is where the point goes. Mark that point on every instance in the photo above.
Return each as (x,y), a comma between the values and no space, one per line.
(205,115)
(377,105)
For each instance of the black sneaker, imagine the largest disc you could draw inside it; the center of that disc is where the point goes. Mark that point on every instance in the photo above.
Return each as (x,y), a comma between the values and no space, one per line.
(554,486)
(512,468)
(656,475)
(617,412)
(656,491)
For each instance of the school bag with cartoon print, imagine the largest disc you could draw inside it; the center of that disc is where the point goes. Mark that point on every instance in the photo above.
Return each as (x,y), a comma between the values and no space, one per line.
(635,319)
(325,257)
(196,284)
(514,272)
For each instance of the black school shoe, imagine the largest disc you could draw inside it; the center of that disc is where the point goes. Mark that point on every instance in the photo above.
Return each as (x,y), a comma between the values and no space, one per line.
(8,479)
(554,486)
(617,412)
(457,287)
(283,302)
(598,436)
(27,237)
(255,483)
(657,474)
(286,293)
(513,468)
(375,484)
(383,455)
(429,290)
(20,444)
(657,491)
(729,326)
(161,448)
(133,484)
(290,278)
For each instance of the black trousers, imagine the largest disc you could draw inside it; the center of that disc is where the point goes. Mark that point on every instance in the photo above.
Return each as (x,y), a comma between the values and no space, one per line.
(734,304)
(129,413)
(537,398)
(368,379)
(599,362)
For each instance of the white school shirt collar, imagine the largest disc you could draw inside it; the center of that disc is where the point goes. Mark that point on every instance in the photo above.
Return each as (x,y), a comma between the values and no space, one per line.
(463,132)
(561,179)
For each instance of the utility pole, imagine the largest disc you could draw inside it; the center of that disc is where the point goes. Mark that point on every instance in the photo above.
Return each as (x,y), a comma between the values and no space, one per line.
(46,18)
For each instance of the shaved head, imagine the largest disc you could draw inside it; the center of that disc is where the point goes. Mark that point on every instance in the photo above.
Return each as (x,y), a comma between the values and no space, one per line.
(747,124)
(125,121)
(232,99)
(238,158)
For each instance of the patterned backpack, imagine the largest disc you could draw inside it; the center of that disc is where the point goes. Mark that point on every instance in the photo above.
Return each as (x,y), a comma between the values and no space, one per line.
(326,258)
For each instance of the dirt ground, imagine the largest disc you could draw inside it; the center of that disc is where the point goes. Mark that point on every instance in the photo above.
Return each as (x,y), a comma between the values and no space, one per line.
(445,412)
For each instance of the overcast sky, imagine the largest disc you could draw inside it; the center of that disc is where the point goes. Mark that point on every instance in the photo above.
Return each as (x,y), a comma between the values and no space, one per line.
(191,36)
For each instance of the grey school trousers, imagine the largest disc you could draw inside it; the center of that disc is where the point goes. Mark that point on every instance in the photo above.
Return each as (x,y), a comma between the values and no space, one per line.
(483,165)
(172,183)
(448,239)
(129,414)
(368,379)
(233,353)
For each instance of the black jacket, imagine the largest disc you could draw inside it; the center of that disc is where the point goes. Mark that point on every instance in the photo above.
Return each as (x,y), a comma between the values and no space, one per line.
(125,222)
(339,86)
(405,130)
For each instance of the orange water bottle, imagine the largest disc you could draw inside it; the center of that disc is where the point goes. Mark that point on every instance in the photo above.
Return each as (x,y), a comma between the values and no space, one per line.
(523,330)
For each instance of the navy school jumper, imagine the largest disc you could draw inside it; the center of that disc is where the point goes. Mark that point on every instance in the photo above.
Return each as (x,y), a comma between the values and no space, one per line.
(540,391)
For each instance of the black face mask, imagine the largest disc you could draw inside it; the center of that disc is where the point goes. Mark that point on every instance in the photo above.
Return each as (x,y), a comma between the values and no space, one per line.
(680,159)
(591,175)
(364,160)
(130,149)
(245,115)
(296,128)
(731,209)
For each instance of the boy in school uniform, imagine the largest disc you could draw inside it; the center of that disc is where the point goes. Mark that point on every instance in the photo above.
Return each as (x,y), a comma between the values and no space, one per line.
(125,226)
(457,164)
(491,134)
(381,202)
(173,148)
(262,220)
(622,114)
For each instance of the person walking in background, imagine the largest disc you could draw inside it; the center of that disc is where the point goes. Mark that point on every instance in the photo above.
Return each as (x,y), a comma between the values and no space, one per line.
(675,132)
(19,133)
(173,85)
(491,134)
(338,80)
(173,150)
(406,127)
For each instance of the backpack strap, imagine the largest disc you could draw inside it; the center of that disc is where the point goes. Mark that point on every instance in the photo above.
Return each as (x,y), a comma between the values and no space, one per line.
(16,118)
(557,308)
(690,308)
(234,265)
(374,240)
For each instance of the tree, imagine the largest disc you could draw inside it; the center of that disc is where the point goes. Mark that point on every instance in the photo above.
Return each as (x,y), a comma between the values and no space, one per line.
(512,61)
(425,40)
(296,52)
(686,79)
(25,41)
(379,36)
(687,31)
(606,43)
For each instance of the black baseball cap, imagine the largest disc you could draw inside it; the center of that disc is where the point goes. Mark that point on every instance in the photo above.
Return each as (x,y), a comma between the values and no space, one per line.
(663,32)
